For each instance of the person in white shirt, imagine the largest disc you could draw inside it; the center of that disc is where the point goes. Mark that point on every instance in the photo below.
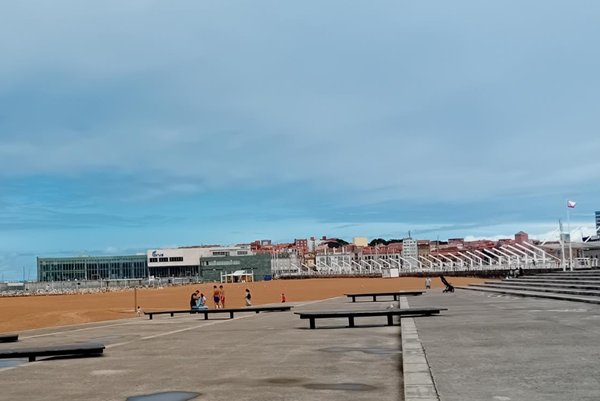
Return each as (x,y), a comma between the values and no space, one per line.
(202,302)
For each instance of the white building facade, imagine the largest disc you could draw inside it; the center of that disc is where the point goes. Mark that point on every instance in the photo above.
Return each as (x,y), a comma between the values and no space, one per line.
(410,250)
(185,261)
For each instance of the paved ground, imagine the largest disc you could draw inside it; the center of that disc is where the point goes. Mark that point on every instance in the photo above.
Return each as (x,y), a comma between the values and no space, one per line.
(504,348)
(270,356)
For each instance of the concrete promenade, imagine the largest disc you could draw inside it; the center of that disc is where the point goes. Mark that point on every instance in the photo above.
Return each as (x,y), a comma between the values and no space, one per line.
(505,348)
(267,356)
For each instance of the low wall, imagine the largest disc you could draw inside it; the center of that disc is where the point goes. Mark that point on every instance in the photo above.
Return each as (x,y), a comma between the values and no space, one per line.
(307,276)
(85,284)
(491,274)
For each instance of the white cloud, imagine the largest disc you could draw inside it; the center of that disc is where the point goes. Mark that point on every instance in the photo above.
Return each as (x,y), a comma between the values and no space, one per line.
(263,97)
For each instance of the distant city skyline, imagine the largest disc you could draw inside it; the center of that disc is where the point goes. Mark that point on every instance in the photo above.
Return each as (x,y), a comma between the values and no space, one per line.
(238,121)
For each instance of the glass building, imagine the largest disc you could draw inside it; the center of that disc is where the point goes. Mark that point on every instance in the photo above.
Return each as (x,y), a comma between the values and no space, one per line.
(215,268)
(92,268)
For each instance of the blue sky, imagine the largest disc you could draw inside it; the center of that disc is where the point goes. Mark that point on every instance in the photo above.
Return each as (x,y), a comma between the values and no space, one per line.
(139,124)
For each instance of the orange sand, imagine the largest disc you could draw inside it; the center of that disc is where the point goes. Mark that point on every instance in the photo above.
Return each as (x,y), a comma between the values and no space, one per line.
(25,313)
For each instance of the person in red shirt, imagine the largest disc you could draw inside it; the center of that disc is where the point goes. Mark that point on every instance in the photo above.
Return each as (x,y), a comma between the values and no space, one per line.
(282,298)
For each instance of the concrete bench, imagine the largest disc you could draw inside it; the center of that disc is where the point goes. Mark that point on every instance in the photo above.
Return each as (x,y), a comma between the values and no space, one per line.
(390,313)
(231,311)
(54,350)
(395,294)
(9,338)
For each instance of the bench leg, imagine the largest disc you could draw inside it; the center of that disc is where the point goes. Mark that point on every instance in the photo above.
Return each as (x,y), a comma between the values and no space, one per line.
(374,298)
(350,322)
(312,324)
(257,312)
(353,299)
(32,359)
(150,316)
(206,316)
(395,297)
(172,314)
(390,320)
(231,315)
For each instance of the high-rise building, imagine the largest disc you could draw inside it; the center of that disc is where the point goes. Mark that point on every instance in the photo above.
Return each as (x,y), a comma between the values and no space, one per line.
(597,220)
(410,250)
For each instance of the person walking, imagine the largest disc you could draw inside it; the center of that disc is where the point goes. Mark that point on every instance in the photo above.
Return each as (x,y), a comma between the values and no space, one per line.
(222,296)
(428,283)
(216,297)
(248,297)
(283,298)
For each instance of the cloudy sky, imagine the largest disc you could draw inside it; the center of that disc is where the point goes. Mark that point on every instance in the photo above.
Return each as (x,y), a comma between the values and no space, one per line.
(136,124)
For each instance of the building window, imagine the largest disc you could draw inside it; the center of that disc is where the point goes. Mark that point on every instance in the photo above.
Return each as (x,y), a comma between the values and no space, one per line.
(242,253)
(176,259)
(153,260)
(221,262)
(163,259)
(220,253)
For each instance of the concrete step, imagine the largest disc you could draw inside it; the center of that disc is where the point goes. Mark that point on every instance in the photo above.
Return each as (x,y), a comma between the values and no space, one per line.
(573,284)
(572,274)
(561,277)
(590,293)
(535,294)
(575,271)
(554,280)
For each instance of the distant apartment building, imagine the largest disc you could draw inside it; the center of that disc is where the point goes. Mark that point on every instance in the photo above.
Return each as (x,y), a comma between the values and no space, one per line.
(506,241)
(285,262)
(301,245)
(410,249)
(424,247)
(312,244)
(597,221)
(521,237)
(456,242)
(360,241)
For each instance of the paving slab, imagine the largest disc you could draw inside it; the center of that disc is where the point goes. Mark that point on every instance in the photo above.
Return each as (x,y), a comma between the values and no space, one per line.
(504,348)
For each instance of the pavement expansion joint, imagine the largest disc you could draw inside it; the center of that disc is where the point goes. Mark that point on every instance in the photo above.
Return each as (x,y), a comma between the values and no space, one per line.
(418,379)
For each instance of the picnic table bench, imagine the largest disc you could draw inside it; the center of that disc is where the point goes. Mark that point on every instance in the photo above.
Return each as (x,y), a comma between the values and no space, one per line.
(53,350)
(351,314)
(231,311)
(9,338)
(395,294)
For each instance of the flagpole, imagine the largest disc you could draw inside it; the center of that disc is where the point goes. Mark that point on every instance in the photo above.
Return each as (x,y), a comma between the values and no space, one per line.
(569,228)
(561,237)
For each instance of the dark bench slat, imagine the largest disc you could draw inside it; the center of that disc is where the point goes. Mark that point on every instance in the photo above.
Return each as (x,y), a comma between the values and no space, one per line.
(57,350)
(9,338)
(390,313)
(368,294)
(231,311)
(380,312)
(395,294)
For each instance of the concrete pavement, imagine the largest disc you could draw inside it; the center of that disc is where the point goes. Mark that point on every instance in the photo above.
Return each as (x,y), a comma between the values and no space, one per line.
(507,348)
(267,356)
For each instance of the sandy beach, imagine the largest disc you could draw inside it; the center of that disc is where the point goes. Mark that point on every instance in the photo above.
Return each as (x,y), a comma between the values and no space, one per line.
(26,313)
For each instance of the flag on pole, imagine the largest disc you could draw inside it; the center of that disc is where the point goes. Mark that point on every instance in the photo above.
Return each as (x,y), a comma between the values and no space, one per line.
(571,204)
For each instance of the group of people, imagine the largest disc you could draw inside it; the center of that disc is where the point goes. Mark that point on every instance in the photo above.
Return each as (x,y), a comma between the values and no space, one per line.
(198,300)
